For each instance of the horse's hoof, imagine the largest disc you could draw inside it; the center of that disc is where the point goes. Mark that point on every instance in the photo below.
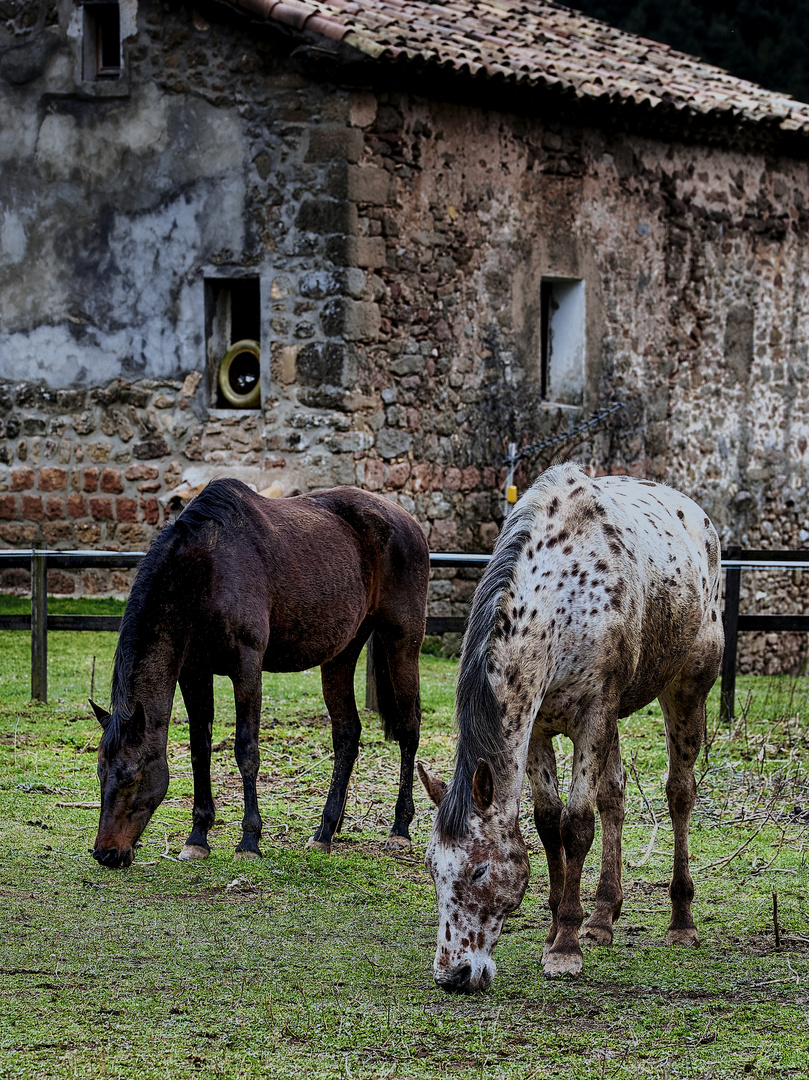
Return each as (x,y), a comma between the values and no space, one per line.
(596,935)
(556,964)
(194,851)
(318,845)
(246,853)
(684,936)
(398,843)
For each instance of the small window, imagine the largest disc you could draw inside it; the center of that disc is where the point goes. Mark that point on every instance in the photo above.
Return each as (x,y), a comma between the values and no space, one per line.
(562,338)
(102,41)
(233,336)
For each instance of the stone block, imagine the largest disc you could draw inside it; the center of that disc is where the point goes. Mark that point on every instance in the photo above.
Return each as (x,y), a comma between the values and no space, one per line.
(112,481)
(101,509)
(99,452)
(22,479)
(8,507)
(76,506)
(407,365)
(131,537)
(374,474)
(444,535)
(32,508)
(398,474)
(452,479)
(322,363)
(319,284)
(392,443)
(323,217)
(14,533)
(87,534)
(142,472)
(150,511)
(335,144)
(362,107)
(90,480)
(126,509)
(352,320)
(54,508)
(151,448)
(57,532)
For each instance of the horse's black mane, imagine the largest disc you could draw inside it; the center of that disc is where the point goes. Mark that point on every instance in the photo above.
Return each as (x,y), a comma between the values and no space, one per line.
(477,710)
(221,502)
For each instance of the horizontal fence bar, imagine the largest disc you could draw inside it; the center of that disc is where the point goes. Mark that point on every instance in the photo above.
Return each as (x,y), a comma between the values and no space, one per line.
(38,622)
(793,623)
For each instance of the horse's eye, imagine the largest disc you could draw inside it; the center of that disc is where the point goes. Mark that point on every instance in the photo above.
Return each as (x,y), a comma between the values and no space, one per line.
(480,871)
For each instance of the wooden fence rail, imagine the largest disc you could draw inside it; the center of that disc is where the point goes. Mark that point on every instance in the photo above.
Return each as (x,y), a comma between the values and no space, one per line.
(39,622)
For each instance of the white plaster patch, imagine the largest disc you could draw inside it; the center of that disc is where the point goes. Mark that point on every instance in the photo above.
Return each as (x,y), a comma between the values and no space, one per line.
(97,152)
(13,242)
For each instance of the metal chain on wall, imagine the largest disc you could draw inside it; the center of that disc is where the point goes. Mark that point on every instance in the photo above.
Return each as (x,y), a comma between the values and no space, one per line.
(589,426)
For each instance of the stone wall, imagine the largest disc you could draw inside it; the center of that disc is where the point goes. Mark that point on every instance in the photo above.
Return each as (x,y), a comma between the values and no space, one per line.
(400,244)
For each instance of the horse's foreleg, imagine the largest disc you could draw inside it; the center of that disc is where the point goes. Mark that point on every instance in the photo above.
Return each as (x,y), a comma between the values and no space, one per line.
(197,690)
(685,723)
(247,694)
(592,748)
(541,771)
(609,894)
(337,677)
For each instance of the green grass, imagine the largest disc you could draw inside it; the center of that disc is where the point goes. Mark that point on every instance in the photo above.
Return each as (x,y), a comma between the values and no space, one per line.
(304,964)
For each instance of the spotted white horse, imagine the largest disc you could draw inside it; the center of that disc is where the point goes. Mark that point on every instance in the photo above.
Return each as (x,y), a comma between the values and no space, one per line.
(601,595)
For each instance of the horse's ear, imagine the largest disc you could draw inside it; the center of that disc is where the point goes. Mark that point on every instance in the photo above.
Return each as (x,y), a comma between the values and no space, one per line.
(102,716)
(436,789)
(136,724)
(483,785)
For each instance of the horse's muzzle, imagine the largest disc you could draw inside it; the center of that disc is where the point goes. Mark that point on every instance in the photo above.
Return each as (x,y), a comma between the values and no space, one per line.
(460,980)
(113,858)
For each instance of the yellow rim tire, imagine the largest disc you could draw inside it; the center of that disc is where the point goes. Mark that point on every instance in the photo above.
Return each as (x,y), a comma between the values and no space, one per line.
(232,396)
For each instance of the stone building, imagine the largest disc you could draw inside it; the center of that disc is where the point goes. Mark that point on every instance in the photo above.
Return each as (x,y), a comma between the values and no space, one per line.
(448,227)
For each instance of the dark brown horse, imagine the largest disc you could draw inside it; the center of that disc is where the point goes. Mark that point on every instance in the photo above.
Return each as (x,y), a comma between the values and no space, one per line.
(240,584)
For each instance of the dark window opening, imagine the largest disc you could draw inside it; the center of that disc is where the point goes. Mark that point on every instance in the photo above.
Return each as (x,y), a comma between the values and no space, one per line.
(233,335)
(102,41)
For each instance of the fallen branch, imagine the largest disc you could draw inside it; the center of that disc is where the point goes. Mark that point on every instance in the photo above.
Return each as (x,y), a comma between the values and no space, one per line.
(730,858)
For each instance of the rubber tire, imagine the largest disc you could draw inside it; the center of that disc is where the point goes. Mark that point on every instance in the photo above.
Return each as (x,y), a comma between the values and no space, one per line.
(240,401)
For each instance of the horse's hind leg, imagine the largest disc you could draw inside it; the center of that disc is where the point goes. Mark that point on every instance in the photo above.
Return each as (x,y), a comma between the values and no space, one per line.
(337,678)
(247,695)
(396,667)
(609,894)
(683,704)
(197,690)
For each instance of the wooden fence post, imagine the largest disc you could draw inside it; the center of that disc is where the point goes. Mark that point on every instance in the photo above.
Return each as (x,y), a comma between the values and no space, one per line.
(39,627)
(730,618)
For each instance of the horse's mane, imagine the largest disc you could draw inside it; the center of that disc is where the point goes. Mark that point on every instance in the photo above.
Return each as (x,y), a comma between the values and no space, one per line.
(477,710)
(221,502)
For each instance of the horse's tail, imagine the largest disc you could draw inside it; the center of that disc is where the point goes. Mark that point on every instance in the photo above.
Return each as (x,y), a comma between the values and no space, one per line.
(385,693)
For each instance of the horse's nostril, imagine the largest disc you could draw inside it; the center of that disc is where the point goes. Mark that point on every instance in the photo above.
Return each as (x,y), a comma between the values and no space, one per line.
(112,857)
(457,982)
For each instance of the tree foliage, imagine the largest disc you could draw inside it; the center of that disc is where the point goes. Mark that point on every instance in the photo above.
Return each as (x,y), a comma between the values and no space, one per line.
(764,42)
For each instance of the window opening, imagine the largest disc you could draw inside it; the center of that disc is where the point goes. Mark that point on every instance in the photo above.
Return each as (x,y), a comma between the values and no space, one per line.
(102,41)
(562,341)
(233,333)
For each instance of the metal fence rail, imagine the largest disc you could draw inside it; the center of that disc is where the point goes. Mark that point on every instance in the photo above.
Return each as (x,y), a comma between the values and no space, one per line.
(734,561)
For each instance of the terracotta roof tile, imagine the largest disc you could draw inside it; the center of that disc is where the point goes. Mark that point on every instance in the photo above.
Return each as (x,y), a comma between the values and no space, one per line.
(536,42)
